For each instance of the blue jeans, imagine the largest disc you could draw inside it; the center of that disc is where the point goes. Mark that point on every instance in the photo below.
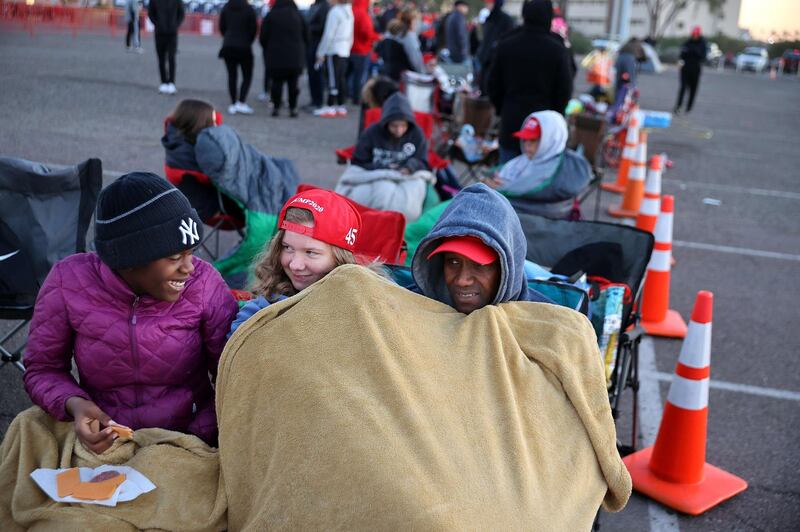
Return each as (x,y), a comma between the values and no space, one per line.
(357,75)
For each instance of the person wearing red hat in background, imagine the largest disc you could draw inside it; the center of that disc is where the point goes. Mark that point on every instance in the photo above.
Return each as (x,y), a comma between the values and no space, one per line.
(693,54)
(547,175)
(475,254)
(317,232)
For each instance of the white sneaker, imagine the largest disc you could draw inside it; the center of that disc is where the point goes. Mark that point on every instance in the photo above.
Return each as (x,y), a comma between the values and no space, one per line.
(263,97)
(341,111)
(172,88)
(325,112)
(138,50)
(232,109)
(163,88)
(243,108)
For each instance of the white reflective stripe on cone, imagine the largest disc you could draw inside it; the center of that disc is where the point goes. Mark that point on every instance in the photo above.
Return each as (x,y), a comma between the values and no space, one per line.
(653,184)
(696,348)
(688,394)
(659,261)
(650,206)
(663,231)
(636,172)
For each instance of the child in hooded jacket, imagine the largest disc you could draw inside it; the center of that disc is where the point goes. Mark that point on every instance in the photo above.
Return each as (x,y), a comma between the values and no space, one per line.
(396,142)
(143,320)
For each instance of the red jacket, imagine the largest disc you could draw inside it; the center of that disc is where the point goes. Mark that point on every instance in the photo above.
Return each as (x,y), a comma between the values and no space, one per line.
(364,35)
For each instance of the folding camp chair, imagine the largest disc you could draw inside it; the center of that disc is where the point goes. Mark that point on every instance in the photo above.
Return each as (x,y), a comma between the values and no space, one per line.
(587,133)
(44,216)
(615,252)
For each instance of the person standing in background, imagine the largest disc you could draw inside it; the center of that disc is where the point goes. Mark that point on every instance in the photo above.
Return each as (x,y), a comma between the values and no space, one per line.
(333,51)
(315,17)
(530,72)
(133,40)
(388,14)
(238,26)
(497,25)
(456,33)
(628,59)
(693,54)
(364,38)
(410,39)
(166,16)
(284,36)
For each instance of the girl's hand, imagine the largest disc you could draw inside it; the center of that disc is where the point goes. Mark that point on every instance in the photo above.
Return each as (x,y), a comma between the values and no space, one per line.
(88,420)
(493,181)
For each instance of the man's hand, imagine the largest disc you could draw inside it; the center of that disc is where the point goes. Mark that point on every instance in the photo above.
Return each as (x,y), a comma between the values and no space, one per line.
(88,420)
(493,181)
(405,171)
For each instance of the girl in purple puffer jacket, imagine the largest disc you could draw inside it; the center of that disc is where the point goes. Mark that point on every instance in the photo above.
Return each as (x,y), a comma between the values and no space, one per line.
(144,320)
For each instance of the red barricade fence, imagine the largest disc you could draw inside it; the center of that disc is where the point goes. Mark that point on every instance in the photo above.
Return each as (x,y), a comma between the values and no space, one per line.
(41,17)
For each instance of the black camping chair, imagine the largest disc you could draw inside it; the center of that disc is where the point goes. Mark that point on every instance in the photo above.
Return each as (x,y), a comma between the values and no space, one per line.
(44,216)
(616,252)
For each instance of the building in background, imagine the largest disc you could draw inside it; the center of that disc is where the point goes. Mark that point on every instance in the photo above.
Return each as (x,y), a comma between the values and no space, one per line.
(592,18)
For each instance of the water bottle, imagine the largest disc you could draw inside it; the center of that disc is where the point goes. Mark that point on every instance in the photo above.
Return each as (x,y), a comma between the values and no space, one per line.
(469,144)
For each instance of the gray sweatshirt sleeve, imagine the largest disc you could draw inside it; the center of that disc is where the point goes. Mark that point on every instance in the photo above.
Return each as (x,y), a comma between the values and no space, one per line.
(413,52)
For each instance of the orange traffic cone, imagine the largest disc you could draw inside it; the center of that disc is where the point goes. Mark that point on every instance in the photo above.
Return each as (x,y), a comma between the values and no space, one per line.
(628,155)
(674,471)
(651,202)
(657,318)
(634,191)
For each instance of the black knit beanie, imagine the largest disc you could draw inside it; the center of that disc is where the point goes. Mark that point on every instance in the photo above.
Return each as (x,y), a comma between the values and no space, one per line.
(141,218)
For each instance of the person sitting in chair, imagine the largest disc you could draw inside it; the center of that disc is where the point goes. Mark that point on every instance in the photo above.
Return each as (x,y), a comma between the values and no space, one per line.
(390,168)
(547,176)
(475,254)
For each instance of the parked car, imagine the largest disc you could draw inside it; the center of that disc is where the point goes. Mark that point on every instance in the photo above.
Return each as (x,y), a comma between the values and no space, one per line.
(791,60)
(714,55)
(670,54)
(753,58)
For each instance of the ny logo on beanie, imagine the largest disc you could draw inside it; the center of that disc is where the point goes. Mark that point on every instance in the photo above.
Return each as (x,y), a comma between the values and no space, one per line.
(188,230)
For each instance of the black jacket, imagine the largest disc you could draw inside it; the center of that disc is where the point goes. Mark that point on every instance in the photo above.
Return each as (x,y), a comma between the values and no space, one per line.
(498,25)
(166,15)
(530,72)
(238,25)
(377,148)
(456,36)
(394,56)
(693,53)
(316,16)
(284,36)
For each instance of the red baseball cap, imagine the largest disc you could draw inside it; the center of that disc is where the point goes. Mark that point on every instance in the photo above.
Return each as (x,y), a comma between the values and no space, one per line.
(531,130)
(336,220)
(471,247)
(696,31)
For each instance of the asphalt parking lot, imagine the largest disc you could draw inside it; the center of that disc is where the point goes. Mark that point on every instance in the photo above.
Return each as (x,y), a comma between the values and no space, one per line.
(735,180)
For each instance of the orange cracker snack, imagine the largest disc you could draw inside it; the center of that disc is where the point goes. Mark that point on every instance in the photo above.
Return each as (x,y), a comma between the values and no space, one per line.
(122,431)
(67,481)
(98,491)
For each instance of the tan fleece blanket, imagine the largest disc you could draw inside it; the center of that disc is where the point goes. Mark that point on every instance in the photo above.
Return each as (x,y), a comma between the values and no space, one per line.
(358,405)
(188,494)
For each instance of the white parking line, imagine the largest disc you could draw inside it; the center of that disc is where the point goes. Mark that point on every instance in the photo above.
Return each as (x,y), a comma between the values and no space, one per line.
(650,409)
(736,251)
(731,188)
(749,389)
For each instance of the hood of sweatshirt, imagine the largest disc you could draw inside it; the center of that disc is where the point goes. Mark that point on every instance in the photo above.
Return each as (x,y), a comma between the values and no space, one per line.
(397,107)
(538,14)
(477,211)
(237,5)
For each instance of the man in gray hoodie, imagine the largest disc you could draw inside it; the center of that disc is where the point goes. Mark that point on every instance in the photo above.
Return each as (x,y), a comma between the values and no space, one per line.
(475,254)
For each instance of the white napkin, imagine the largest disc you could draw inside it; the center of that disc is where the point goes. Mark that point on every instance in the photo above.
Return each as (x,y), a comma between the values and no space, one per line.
(135,484)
